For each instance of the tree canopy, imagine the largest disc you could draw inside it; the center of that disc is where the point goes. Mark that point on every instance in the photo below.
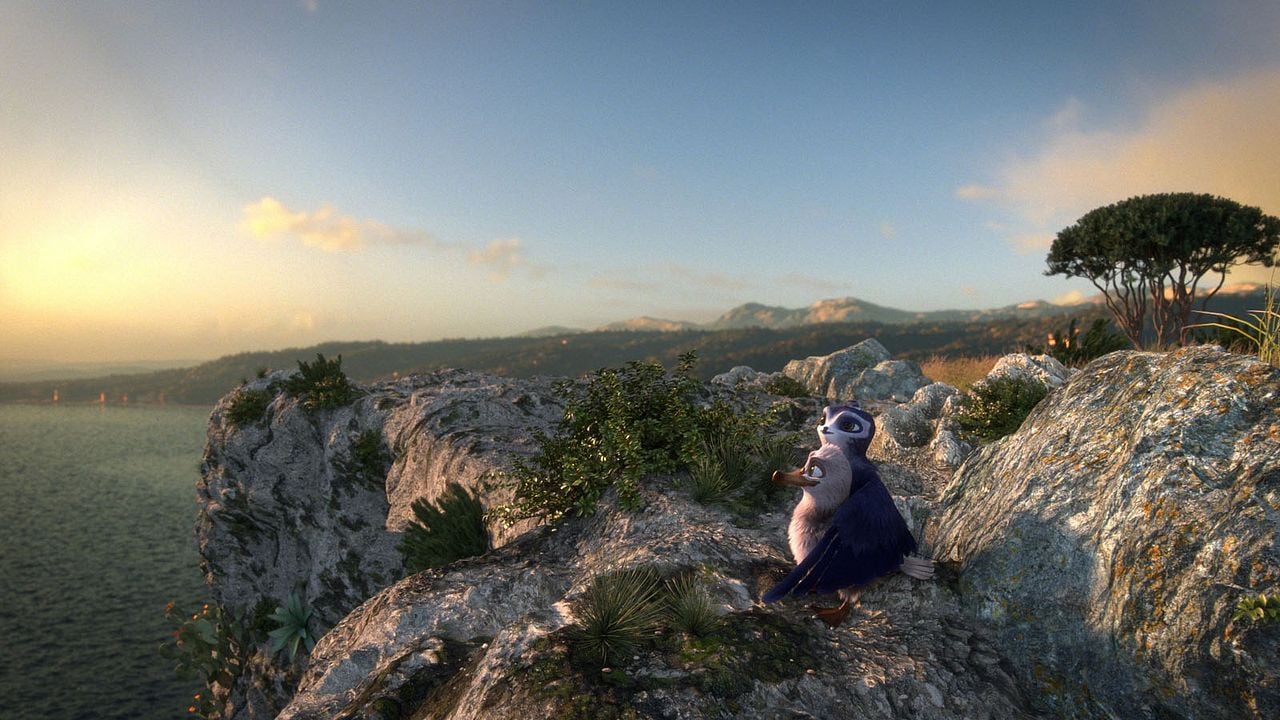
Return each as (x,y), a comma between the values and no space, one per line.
(1151,252)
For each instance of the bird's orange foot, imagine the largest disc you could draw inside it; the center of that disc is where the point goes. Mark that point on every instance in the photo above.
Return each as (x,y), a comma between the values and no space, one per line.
(831,616)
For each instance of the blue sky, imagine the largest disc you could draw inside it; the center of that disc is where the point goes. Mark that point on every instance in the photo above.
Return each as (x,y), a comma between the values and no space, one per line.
(184,180)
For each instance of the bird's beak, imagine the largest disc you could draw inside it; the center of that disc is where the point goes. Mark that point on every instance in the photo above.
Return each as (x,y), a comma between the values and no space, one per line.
(795,478)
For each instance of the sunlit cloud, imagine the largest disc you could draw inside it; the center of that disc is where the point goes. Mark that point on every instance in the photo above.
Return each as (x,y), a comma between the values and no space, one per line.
(888,231)
(499,256)
(323,228)
(1074,297)
(969,291)
(1218,137)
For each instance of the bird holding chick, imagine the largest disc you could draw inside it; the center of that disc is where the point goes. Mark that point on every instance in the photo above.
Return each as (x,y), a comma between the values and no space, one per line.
(845,531)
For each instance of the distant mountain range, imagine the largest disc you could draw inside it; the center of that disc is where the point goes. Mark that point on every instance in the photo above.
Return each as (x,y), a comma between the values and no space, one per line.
(834,310)
(760,336)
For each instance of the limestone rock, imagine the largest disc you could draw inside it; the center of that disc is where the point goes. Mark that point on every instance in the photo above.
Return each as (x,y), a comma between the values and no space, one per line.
(862,372)
(284,507)
(1106,543)
(1044,369)
(506,624)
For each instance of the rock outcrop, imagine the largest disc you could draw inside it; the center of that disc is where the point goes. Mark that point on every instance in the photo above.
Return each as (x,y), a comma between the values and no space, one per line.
(1092,560)
(1107,542)
(285,505)
(495,636)
(863,372)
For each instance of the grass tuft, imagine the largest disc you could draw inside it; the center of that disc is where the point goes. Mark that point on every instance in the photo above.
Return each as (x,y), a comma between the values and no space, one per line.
(1261,331)
(690,609)
(619,613)
(449,530)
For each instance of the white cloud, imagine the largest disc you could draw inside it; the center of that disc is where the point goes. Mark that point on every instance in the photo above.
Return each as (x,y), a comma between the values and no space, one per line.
(1219,137)
(322,228)
(888,231)
(500,256)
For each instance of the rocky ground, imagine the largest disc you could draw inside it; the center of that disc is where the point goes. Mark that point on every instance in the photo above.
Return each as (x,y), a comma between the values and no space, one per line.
(1091,561)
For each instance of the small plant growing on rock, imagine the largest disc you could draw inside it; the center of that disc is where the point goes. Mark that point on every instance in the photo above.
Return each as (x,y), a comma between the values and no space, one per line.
(248,407)
(321,384)
(209,646)
(690,609)
(618,613)
(368,460)
(1261,332)
(293,627)
(1258,608)
(996,407)
(444,532)
(786,386)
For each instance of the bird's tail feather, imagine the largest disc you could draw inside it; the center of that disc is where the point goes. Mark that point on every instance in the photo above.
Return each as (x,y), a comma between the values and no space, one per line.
(918,567)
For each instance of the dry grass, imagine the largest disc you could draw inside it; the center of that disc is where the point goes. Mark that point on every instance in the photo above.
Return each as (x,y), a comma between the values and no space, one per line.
(961,372)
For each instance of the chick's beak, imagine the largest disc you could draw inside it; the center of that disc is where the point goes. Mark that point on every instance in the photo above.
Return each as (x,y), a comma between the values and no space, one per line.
(795,478)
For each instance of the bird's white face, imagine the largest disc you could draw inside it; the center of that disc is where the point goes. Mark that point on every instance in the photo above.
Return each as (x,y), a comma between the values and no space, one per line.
(843,427)
(829,472)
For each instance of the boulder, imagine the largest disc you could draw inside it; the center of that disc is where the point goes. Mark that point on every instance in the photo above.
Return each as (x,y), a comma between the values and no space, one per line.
(1044,369)
(1106,543)
(861,372)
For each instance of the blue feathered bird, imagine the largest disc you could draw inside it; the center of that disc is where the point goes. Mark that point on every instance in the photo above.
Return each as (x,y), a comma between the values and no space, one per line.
(845,532)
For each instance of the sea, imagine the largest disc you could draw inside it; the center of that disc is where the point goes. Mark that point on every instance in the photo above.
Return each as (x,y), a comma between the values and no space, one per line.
(97,515)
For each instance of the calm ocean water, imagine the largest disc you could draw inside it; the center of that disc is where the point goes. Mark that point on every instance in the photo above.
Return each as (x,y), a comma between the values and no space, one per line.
(97,506)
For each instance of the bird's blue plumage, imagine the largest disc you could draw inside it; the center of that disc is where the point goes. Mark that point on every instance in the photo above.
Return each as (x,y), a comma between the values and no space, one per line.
(867,538)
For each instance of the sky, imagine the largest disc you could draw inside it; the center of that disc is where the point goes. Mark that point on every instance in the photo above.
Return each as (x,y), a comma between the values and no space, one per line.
(184,180)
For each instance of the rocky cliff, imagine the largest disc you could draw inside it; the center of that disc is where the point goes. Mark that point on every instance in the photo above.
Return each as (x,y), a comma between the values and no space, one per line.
(1093,561)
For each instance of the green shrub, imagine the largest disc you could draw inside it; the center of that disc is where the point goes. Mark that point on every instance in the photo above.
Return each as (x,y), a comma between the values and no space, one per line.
(208,646)
(293,627)
(321,384)
(368,460)
(446,532)
(1258,608)
(690,609)
(708,481)
(1074,349)
(994,408)
(618,426)
(248,407)
(618,613)
(786,386)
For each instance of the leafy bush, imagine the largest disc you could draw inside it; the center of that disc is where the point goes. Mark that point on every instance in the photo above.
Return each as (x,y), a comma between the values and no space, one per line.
(618,613)
(1258,608)
(321,384)
(690,609)
(293,622)
(618,426)
(248,407)
(446,532)
(208,646)
(1073,349)
(996,407)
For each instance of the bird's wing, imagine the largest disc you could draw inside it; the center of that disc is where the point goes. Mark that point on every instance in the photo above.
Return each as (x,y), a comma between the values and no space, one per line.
(867,539)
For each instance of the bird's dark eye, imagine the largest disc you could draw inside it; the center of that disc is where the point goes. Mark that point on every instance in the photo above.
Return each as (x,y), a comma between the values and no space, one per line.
(847,426)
